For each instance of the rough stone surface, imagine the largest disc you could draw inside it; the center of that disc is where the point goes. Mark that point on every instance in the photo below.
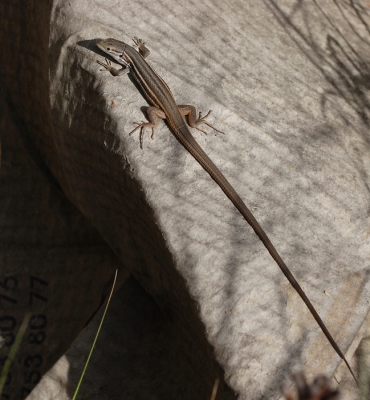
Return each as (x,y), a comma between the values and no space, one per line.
(54,262)
(288,82)
(140,354)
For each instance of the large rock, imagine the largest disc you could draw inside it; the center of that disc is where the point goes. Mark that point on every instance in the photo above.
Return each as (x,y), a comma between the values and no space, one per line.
(288,84)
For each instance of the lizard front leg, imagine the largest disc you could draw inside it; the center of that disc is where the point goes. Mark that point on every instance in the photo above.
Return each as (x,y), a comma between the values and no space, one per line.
(143,50)
(113,70)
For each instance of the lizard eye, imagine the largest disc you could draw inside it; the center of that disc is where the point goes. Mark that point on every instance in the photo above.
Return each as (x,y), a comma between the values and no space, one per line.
(121,55)
(108,48)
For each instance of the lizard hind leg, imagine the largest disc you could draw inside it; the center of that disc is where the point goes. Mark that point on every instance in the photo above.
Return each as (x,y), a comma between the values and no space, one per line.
(142,126)
(193,121)
(154,114)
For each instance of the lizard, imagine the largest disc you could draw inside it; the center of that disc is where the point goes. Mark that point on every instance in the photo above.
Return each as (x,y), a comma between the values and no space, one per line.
(164,106)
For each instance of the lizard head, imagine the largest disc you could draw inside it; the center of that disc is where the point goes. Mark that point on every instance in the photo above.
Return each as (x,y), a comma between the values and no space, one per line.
(115,49)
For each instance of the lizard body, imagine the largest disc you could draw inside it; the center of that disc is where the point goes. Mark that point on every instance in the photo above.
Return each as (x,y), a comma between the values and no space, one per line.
(164,106)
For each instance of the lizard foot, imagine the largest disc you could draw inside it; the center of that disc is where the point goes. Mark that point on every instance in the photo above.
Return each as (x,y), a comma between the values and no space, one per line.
(142,126)
(202,120)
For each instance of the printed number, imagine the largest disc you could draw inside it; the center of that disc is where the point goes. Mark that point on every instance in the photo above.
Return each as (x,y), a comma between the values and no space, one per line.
(7,323)
(37,284)
(7,298)
(36,296)
(38,321)
(33,361)
(10,282)
(34,280)
(8,338)
(36,337)
(32,377)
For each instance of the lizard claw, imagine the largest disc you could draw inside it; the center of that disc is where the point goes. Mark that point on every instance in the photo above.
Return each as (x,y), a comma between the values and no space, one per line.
(142,126)
(202,120)
(138,42)
(106,65)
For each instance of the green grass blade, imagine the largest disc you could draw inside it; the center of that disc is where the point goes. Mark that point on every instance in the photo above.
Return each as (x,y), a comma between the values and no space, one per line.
(215,388)
(96,337)
(13,350)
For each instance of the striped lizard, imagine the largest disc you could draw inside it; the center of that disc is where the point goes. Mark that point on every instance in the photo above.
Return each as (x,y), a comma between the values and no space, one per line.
(164,106)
